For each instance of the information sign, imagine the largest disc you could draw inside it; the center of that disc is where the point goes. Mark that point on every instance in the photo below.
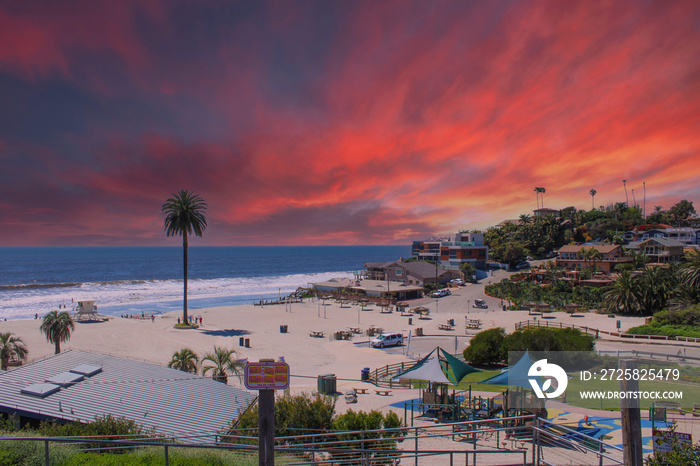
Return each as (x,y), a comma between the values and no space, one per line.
(664,438)
(266,376)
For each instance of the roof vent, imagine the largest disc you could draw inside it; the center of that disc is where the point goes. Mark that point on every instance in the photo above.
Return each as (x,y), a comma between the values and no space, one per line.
(42,390)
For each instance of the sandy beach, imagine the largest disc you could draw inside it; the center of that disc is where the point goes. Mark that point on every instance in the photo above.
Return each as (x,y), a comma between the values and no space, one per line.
(156,341)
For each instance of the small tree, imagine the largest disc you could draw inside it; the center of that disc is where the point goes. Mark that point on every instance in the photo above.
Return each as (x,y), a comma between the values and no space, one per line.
(678,452)
(57,327)
(469,271)
(222,364)
(184,360)
(486,347)
(11,347)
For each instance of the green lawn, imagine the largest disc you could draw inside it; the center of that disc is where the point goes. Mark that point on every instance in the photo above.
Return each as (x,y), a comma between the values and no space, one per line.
(691,392)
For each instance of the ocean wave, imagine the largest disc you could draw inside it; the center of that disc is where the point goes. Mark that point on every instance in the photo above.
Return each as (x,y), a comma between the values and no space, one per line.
(113,297)
(65,285)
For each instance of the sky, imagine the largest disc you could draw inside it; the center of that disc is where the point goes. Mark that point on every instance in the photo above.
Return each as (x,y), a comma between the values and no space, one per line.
(338,122)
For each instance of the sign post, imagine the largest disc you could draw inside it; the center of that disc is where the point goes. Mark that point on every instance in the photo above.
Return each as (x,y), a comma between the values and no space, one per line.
(266,376)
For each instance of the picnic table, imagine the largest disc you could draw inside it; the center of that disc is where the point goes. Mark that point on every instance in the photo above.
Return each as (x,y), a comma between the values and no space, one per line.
(445,327)
(316,334)
(357,330)
(360,390)
(473,324)
(383,392)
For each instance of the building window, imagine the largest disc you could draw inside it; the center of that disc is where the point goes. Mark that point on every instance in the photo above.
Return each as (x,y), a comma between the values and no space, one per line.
(399,272)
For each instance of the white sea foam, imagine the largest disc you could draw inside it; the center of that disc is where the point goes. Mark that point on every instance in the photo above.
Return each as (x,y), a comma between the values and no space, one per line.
(23,303)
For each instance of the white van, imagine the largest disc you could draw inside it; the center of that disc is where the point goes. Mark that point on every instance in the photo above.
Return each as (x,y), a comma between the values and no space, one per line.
(387,339)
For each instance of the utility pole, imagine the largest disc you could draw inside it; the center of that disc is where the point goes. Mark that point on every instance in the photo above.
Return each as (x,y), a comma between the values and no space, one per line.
(644,209)
(631,415)
(436,274)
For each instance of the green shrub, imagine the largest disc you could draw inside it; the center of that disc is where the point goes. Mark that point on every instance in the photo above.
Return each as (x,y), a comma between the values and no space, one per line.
(156,456)
(294,415)
(486,347)
(371,421)
(554,344)
(548,339)
(667,330)
(106,425)
(688,316)
(26,452)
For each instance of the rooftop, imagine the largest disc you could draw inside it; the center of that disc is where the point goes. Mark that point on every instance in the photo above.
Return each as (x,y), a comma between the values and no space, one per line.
(149,394)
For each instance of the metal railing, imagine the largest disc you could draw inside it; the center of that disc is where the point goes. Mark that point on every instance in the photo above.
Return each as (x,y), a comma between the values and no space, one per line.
(537,438)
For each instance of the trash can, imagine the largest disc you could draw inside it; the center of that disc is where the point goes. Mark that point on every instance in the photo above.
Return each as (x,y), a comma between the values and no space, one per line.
(410,321)
(326,384)
(283,329)
(419,331)
(330,384)
(451,322)
(365,374)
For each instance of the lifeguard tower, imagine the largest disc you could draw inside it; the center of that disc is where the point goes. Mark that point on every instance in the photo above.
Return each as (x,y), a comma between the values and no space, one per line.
(86,310)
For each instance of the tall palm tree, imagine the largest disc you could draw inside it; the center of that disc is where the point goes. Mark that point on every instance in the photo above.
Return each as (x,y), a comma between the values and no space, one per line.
(57,327)
(542,191)
(623,294)
(11,347)
(593,192)
(627,199)
(223,364)
(184,360)
(184,215)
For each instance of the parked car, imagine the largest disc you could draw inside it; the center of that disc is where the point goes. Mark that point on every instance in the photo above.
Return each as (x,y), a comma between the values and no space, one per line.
(387,339)
(441,293)
(480,304)
(522,265)
(457,281)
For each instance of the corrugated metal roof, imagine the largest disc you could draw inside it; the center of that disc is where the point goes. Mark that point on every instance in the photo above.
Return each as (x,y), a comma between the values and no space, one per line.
(173,402)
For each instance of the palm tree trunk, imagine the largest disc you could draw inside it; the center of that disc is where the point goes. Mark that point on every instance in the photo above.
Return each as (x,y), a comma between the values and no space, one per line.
(184,249)
(58,346)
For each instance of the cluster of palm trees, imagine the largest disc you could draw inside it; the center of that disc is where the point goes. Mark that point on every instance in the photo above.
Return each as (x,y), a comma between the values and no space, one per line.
(590,255)
(539,191)
(530,236)
(220,362)
(57,326)
(656,288)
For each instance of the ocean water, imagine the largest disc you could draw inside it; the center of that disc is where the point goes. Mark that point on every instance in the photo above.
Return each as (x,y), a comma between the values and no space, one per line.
(132,280)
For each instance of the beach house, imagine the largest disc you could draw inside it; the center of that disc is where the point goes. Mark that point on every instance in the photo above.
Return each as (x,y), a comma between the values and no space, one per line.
(462,247)
(661,250)
(569,257)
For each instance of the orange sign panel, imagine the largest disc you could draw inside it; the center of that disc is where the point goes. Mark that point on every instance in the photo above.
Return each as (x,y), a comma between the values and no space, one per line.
(266,376)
